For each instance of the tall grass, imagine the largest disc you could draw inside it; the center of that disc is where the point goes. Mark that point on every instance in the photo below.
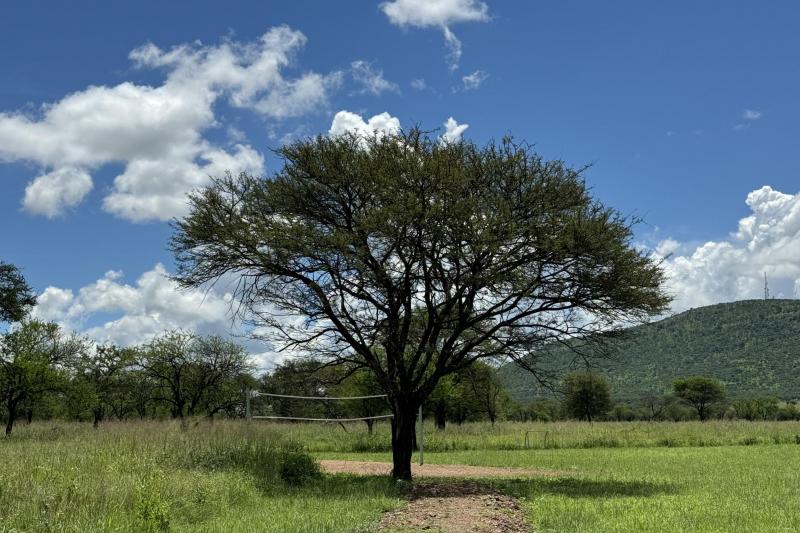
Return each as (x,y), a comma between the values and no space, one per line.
(154,476)
(543,435)
(256,476)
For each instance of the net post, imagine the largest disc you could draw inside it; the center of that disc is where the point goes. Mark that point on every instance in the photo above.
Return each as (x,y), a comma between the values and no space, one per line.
(247,413)
(421,438)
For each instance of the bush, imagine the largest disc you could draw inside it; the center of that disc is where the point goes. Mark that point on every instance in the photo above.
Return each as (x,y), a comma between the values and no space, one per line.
(298,468)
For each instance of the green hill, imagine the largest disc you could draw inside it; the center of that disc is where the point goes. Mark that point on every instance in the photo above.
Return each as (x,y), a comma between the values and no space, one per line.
(753,346)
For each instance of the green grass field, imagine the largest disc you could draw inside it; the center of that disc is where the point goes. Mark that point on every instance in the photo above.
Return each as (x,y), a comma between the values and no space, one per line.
(229,476)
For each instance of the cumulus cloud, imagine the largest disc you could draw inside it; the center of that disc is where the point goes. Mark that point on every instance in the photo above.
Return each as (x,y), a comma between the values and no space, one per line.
(156,132)
(150,306)
(453,130)
(347,122)
(52,193)
(766,241)
(473,81)
(384,123)
(111,311)
(419,84)
(371,80)
(437,13)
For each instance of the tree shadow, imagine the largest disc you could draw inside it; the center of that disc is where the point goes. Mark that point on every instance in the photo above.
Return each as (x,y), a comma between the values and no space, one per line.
(584,488)
(571,487)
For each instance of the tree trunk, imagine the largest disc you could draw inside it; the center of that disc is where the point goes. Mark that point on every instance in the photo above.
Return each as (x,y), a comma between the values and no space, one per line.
(403,433)
(369,423)
(440,415)
(12,414)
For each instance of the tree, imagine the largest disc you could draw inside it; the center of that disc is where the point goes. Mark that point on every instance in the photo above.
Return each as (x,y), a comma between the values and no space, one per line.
(414,258)
(765,408)
(33,359)
(100,380)
(442,400)
(699,392)
(16,297)
(189,370)
(655,404)
(586,395)
(482,390)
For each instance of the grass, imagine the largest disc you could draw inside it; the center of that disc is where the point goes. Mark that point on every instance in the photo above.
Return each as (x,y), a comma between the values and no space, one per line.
(719,489)
(548,435)
(162,477)
(233,476)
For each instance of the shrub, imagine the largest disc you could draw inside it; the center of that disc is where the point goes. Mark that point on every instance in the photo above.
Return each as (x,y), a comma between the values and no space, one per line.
(298,468)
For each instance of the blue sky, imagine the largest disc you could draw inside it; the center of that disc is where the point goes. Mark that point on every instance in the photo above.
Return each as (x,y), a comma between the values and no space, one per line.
(682,108)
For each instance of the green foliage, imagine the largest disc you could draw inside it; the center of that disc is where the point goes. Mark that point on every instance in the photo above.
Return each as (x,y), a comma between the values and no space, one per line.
(751,346)
(415,258)
(586,395)
(33,361)
(700,392)
(298,468)
(16,297)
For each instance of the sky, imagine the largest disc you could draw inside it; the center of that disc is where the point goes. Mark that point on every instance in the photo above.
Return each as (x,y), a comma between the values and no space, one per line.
(687,113)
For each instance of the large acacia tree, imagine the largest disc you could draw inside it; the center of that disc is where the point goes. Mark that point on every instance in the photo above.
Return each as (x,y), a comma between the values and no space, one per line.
(414,258)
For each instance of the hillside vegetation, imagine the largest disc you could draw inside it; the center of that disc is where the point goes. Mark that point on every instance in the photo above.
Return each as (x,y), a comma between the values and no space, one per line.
(753,346)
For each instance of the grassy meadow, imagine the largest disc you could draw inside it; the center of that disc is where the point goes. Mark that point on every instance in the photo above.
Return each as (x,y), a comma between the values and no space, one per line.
(235,476)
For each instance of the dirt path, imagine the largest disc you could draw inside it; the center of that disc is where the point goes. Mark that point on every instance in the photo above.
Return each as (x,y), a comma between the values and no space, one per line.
(369,468)
(452,506)
(456,507)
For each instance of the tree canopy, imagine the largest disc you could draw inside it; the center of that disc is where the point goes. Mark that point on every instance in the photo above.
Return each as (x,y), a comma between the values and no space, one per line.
(16,297)
(414,258)
(700,392)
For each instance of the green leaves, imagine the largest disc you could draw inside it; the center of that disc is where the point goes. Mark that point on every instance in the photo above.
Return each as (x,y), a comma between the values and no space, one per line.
(16,297)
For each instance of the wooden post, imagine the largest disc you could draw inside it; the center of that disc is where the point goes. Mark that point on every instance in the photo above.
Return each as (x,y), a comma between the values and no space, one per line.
(421,439)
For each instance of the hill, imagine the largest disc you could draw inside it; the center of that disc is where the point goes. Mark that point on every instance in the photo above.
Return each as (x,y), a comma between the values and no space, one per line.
(753,346)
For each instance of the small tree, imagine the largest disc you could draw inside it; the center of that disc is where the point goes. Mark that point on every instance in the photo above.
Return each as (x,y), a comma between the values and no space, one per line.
(33,359)
(16,297)
(655,405)
(99,379)
(489,397)
(586,395)
(189,370)
(699,392)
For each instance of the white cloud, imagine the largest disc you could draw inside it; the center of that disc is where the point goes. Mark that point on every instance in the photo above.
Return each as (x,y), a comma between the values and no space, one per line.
(748,117)
(111,311)
(473,81)
(155,303)
(437,13)
(419,84)
(51,194)
(768,240)
(751,114)
(453,130)
(371,80)
(347,122)
(157,132)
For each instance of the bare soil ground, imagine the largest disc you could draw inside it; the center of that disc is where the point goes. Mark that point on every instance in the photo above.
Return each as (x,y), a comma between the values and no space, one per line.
(370,468)
(456,507)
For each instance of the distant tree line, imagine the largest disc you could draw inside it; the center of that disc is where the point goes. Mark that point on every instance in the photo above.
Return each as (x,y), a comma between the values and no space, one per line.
(46,373)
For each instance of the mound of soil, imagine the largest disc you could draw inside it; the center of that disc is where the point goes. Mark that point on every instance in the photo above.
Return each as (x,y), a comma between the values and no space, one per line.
(456,507)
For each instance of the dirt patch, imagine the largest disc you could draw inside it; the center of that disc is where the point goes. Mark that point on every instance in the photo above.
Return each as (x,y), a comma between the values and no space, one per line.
(370,468)
(456,507)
